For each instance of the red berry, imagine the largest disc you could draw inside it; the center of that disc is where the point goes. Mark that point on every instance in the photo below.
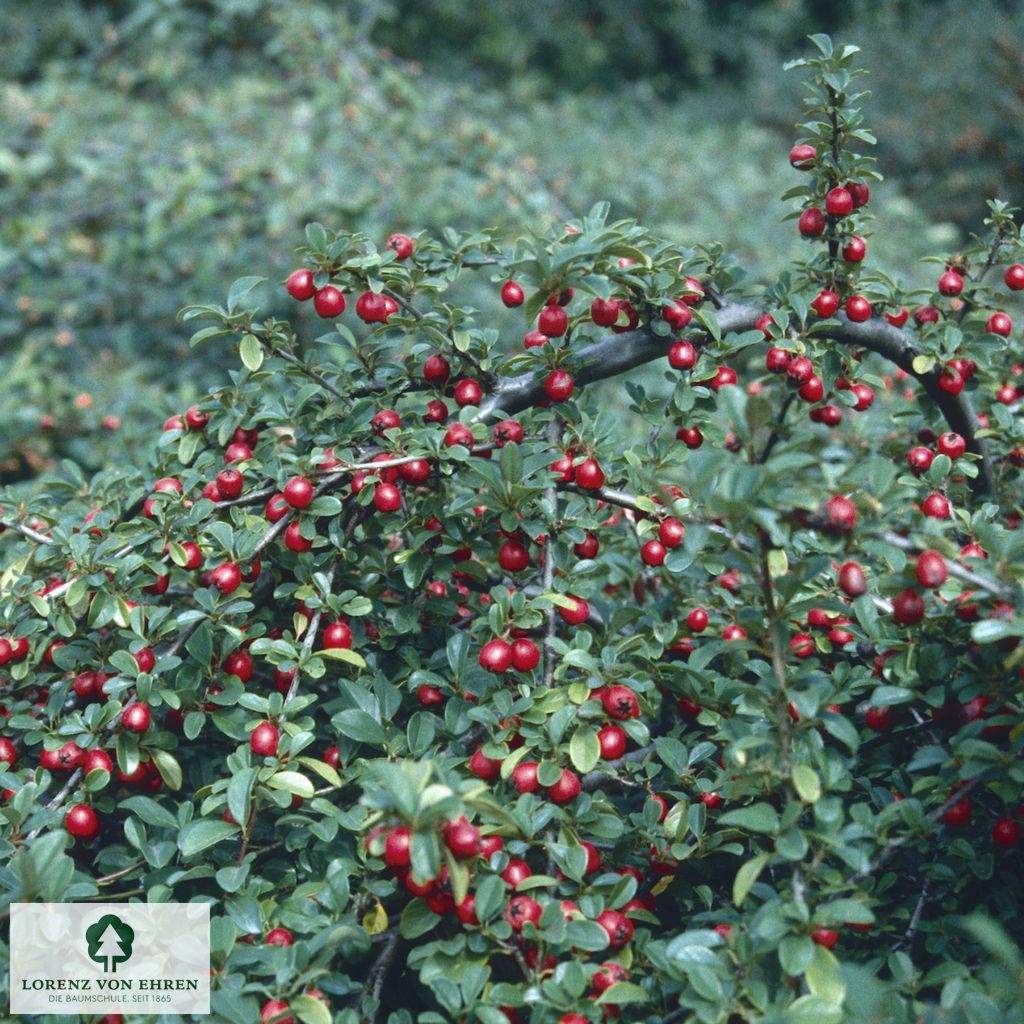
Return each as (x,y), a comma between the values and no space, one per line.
(513,556)
(920,460)
(496,656)
(458,433)
(852,581)
(265,739)
(697,620)
(841,514)
(387,498)
(525,655)
(951,444)
(276,508)
(854,250)
(1006,832)
(690,436)
(677,315)
(522,909)
(959,814)
(558,385)
(589,475)
(372,308)
(279,937)
(951,283)
(1014,277)
(298,492)
(577,613)
(999,323)
(512,294)
(682,356)
(950,381)
(81,821)
(462,838)
(935,506)
(778,360)
(907,608)
(803,157)
(468,392)
(484,767)
(839,203)
(227,577)
(802,645)
(566,789)
(136,718)
(858,309)
(671,533)
(272,1010)
(329,302)
(812,223)
(860,193)
(826,304)
(612,739)
(618,926)
(826,937)
(653,552)
(620,702)
(899,318)
(553,321)
(300,284)
(293,538)
(932,571)
(588,547)
(524,777)
(401,245)
(337,637)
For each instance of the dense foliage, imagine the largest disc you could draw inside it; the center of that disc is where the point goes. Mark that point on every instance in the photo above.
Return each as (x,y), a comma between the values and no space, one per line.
(663,664)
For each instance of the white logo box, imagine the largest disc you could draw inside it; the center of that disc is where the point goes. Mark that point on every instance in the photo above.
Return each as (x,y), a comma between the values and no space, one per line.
(155,958)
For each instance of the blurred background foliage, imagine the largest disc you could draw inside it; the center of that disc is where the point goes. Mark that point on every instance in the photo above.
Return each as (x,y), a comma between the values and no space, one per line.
(154,150)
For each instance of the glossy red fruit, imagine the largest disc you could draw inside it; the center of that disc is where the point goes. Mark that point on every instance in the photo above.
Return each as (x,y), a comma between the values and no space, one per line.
(907,608)
(468,392)
(338,637)
(588,547)
(520,910)
(852,580)
(525,655)
(604,312)
(899,318)
(265,739)
(273,1010)
(959,814)
(935,506)
(802,645)
(566,789)
(711,800)
(620,702)
(813,390)
(508,432)
(925,315)
(826,304)
(827,937)
(677,315)
(298,492)
(1006,832)
(920,460)
(803,157)
(855,249)
(512,294)
(82,822)
(880,719)
(800,370)
(734,632)
(513,556)
(553,321)
(577,613)
(612,740)
(136,718)
(371,308)
(387,498)
(618,927)
(840,514)
(858,309)
(671,532)
(812,223)
(300,284)
(524,777)
(279,937)
(778,360)
(97,760)
(653,552)
(589,475)
(462,838)
(1014,277)
(559,386)
(697,620)
(860,193)
(458,433)
(294,540)
(682,356)
(950,381)
(951,444)
(484,767)
(227,577)
(839,203)
(999,323)
(194,419)
(496,656)
(609,974)
(329,302)
(690,436)
(145,659)
(932,571)
(951,283)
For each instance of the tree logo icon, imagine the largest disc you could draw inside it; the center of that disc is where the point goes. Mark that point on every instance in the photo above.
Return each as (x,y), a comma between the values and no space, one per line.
(110,942)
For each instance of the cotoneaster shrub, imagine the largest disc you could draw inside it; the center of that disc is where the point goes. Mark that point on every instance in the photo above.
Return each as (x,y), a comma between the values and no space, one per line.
(470,679)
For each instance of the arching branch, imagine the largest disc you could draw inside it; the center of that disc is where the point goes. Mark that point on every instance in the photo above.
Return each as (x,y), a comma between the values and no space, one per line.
(620,353)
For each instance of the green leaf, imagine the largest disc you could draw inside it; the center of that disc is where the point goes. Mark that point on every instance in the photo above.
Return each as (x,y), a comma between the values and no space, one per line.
(341,654)
(200,835)
(623,992)
(168,767)
(806,783)
(746,877)
(309,1010)
(778,563)
(824,978)
(292,782)
(240,288)
(584,748)
(251,352)
(417,919)
(359,726)
(760,817)
(240,793)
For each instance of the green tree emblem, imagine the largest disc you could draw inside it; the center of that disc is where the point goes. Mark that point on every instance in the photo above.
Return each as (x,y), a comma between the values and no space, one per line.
(110,941)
